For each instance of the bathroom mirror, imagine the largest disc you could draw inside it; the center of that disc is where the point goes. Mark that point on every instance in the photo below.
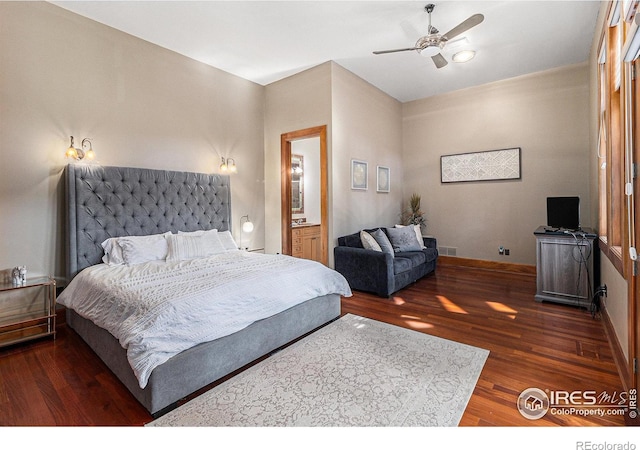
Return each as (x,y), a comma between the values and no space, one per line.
(297,184)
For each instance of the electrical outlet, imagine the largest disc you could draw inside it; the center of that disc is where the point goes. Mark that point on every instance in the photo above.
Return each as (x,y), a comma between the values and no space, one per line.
(501,250)
(506,252)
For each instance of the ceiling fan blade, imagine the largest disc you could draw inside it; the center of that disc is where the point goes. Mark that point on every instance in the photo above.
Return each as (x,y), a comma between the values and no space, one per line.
(439,61)
(464,26)
(380,52)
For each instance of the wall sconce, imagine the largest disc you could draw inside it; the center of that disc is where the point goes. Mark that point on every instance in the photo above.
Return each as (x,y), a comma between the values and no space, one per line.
(246,227)
(228,166)
(85,150)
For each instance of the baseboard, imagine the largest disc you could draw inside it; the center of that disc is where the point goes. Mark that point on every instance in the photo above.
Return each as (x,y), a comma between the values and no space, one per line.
(524,269)
(618,356)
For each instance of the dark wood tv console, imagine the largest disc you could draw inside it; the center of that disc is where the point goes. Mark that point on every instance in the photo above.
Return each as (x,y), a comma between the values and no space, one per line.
(565,266)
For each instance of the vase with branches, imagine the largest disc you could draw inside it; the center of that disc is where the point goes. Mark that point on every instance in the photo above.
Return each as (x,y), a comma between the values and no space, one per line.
(413,215)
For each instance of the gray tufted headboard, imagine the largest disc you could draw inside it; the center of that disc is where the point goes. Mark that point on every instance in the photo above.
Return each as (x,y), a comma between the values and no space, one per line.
(104,202)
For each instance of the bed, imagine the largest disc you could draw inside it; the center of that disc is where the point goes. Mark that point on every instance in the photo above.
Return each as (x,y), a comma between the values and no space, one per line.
(109,202)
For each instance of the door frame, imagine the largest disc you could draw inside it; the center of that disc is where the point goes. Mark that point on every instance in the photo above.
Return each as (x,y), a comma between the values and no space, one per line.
(285,182)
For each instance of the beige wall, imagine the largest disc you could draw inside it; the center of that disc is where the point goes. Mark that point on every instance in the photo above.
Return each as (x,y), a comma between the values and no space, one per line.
(616,302)
(546,114)
(367,125)
(294,103)
(144,106)
(363,123)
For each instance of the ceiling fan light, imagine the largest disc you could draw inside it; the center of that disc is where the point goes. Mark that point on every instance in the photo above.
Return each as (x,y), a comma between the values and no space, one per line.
(463,56)
(429,51)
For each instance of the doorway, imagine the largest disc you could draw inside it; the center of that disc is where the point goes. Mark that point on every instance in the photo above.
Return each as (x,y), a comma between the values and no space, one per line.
(318,190)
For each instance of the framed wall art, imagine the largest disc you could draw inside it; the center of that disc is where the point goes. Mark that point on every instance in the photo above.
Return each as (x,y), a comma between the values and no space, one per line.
(359,175)
(481,166)
(383,181)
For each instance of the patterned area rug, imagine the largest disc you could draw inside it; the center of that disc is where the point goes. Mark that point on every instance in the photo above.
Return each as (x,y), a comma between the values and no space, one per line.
(353,372)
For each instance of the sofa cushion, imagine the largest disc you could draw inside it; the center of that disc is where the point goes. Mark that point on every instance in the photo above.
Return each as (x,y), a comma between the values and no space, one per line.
(369,242)
(404,239)
(416,258)
(401,265)
(430,254)
(383,241)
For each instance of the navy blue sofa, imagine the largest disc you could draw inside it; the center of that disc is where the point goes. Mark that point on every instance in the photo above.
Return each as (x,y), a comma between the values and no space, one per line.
(378,272)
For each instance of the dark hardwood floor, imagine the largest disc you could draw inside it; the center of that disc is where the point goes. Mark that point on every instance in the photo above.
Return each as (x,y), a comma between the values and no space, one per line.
(546,346)
(532,345)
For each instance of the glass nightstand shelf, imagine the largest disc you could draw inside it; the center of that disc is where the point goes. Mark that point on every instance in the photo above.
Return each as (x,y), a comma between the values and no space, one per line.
(27,311)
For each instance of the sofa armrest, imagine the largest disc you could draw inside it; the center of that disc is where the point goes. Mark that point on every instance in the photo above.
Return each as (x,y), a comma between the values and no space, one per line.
(430,242)
(365,270)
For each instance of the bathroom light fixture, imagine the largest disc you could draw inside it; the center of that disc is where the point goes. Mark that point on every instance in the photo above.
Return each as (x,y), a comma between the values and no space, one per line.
(228,165)
(463,56)
(85,150)
(246,227)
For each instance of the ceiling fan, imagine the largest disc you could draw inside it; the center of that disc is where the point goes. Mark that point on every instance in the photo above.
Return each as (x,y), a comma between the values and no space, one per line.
(436,41)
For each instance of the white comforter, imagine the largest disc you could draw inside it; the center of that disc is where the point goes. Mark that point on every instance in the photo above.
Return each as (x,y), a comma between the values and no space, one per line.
(158,309)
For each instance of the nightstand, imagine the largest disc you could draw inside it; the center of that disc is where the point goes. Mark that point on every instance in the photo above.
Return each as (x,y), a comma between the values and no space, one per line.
(27,311)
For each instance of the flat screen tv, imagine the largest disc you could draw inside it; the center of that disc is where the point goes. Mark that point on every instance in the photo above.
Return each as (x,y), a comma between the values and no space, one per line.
(563,212)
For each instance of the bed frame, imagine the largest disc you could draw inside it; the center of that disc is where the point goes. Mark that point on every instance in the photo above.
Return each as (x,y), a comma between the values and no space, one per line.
(103,202)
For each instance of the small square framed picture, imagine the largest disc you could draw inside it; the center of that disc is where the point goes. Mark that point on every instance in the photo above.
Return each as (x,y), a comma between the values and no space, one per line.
(359,175)
(383,179)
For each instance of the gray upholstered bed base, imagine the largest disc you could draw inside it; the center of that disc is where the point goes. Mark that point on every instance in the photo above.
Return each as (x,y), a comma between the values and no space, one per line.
(199,366)
(105,202)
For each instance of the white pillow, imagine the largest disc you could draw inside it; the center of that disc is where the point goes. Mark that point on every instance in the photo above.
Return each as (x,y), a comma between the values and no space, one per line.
(418,233)
(369,242)
(225,237)
(141,249)
(112,252)
(198,232)
(185,246)
(227,240)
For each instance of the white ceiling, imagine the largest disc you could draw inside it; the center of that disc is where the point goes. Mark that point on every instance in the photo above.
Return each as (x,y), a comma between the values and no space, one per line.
(264,41)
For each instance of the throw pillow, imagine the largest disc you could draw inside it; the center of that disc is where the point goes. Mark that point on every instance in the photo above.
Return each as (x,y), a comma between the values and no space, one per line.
(191,246)
(383,241)
(418,233)
(369,242)
(140,249)
(112,252)
(404,239)
(225,237)
(227,240)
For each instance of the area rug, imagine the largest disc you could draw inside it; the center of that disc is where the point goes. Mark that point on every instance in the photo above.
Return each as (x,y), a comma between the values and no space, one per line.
(354,372)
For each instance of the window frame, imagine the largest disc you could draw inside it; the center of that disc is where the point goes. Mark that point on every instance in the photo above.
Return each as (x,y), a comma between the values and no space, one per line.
(612,101)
